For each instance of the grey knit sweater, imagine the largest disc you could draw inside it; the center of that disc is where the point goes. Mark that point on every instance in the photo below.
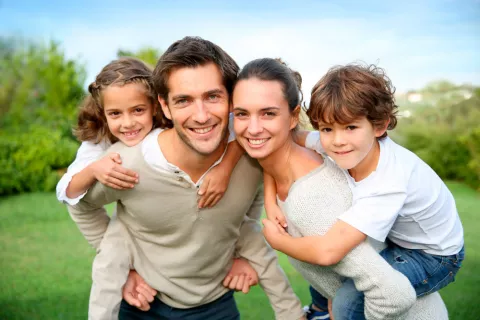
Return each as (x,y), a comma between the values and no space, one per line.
(314,202)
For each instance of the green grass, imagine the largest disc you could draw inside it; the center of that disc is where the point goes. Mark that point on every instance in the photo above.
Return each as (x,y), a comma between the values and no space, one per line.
(46,264)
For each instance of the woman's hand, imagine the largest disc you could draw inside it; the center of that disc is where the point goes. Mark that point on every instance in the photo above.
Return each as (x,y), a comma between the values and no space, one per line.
(273,233)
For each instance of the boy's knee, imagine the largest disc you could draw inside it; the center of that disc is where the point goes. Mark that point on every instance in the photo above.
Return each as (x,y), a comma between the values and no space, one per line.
(348,303)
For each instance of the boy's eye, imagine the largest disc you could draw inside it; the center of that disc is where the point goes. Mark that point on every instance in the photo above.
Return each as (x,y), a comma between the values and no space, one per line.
(351,127)
(325,129)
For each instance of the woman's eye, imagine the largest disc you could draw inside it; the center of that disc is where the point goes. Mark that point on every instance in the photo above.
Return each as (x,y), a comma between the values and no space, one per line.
(240,114)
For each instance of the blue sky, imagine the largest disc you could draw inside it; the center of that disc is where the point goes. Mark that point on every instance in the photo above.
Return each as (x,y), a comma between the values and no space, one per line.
(415,41)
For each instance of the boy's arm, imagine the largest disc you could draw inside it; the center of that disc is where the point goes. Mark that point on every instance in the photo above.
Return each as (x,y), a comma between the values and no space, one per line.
(251,245)
(274,213)
(310,140)
(300,137)
(90,215)
(216,181)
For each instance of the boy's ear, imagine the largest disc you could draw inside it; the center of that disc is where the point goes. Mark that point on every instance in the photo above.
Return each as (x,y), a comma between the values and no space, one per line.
(165,108)
(380,130)
(295,117)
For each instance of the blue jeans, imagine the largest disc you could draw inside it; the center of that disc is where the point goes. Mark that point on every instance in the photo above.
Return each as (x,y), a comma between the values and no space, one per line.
(224,308)
(426,272)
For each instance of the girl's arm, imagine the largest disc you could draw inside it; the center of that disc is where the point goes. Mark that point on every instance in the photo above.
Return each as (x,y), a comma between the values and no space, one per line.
(216,181)
(107,170)
(274,213)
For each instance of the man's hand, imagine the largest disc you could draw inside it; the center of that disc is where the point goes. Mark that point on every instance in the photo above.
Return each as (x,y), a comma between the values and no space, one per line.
(274,233)
(137,292)
(241,276)
(109,172)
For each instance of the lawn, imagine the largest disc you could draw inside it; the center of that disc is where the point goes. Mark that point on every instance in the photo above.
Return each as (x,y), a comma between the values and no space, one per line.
(45,263)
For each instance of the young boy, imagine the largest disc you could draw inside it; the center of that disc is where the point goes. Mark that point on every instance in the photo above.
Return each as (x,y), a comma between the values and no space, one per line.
(397,198)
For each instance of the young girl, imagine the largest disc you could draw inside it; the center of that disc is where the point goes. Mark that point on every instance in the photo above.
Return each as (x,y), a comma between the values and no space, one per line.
(122,106)
(397,197)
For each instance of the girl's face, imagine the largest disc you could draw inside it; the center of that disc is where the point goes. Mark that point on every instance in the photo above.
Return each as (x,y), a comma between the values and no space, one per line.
(129,112)
(262,119)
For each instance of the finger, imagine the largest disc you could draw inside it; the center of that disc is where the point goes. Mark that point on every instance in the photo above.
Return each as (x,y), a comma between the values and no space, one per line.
(246,286)
(233,283)
(240,282)
(144,304)
(115,157)
(149,289)
(126,171)
(227,280)
(113,186)
(141,290)
(119,183)
(123,177)
(131,300)
(210,198)
(253,281)
(281,219)
(203,187)
(216,199)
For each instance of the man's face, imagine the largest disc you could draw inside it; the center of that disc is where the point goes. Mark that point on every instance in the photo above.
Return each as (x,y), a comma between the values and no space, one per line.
(198,105)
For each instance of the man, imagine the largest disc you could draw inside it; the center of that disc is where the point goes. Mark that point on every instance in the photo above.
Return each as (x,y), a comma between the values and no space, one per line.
(181,251)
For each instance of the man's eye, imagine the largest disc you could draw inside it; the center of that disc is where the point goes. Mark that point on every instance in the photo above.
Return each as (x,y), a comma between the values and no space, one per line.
(213,97)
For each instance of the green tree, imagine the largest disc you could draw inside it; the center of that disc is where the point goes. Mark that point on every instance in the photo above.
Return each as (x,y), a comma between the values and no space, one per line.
(148,55)
(39,95)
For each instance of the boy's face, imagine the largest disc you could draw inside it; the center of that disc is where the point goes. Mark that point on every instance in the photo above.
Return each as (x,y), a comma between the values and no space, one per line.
(350,145)
(198,105)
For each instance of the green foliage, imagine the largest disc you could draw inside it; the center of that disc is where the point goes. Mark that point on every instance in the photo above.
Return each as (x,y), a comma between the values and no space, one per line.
(446,136)
(148,55)
(32,161)
(40,92)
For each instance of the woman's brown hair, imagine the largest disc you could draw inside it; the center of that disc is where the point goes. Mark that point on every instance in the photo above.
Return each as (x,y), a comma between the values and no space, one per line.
(349,92)
(92,123)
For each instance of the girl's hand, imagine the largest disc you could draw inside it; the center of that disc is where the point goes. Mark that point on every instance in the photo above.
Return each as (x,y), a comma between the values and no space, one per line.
(109,172)
(213,187)
(241,276)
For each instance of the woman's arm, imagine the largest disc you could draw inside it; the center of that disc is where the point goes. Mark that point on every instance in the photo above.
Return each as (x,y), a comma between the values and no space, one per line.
(274,213)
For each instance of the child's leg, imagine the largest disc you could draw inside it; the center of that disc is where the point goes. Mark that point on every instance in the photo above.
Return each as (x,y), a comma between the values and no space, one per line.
(109,273)
(426,272)
(348,302)
(318,299)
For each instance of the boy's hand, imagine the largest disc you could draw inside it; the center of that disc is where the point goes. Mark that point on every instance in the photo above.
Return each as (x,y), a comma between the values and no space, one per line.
(273,233)
(241,276)
(109,172)
(137,292)
(275,214)
(213,187)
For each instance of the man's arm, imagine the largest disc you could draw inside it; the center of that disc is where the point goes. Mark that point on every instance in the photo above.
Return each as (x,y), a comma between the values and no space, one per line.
(90,216)
(252,247)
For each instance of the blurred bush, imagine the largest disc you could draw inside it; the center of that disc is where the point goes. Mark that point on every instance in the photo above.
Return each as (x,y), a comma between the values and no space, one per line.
(446,134)
(39,95)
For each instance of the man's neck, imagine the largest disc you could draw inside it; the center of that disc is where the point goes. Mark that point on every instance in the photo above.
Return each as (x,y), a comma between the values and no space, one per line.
(181,155)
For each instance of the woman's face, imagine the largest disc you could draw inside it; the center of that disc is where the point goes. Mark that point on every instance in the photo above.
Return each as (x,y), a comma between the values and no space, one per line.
(262,119)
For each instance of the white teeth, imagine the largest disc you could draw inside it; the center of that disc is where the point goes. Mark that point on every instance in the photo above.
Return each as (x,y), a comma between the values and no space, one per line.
(132,133)
(257,141)
(203,130)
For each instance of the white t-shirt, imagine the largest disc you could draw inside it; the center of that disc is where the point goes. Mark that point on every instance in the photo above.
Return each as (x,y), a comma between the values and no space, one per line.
(404,200)
(90,152)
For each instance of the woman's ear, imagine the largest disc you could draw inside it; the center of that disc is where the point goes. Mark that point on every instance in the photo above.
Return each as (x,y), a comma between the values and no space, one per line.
(165,109)
(295,117)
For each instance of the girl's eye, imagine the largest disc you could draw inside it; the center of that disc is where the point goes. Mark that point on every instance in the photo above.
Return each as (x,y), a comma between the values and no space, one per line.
(138,110)
(114,113)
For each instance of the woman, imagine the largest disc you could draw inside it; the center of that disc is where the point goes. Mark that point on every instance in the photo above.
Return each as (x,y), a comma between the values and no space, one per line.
(313,192)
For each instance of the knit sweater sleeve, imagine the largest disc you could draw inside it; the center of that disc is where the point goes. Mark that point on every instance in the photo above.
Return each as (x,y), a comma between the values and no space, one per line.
(313,205)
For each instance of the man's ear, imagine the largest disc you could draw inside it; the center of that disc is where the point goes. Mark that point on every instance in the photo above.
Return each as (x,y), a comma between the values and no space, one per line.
(295,119)
(380,130)
(165,108)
